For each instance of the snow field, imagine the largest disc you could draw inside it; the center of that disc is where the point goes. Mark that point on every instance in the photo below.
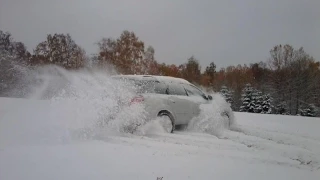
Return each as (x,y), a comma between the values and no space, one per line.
(258,147)
(68,129)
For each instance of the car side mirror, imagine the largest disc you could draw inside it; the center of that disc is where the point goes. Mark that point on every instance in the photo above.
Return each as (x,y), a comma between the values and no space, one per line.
(209,97)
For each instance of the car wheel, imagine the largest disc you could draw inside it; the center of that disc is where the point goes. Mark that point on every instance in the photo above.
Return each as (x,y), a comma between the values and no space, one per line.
(227,115)
(167,121)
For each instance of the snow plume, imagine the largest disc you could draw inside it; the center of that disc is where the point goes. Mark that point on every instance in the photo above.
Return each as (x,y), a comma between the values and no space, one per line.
(61,106)
(212,118)
(155,126)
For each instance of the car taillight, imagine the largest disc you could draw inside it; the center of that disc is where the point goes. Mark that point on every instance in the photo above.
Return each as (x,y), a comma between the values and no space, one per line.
(136,99)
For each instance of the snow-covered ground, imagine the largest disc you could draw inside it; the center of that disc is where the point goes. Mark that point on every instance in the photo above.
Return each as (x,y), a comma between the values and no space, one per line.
(259,147)
(54,133)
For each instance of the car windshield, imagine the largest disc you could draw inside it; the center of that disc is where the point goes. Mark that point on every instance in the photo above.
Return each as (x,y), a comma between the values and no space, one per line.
(194,91)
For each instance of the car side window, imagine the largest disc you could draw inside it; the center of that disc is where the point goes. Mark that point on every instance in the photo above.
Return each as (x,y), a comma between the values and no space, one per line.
(193,91)
(161,88)
(177,89)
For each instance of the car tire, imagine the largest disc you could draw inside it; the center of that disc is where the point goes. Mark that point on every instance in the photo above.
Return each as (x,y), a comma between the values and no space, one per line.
(165,114)
(228,116)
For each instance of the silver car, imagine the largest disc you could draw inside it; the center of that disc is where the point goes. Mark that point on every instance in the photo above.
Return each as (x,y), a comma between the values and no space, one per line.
(176,99)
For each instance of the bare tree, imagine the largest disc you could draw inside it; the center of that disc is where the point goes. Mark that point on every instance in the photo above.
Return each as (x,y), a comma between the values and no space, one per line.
(59,49)
(14,59)
(292,78)
(192,70)
(125,53)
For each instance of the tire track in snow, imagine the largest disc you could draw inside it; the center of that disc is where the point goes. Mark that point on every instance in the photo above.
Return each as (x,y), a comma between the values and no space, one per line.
(197,144)
(283,138)
(287,147)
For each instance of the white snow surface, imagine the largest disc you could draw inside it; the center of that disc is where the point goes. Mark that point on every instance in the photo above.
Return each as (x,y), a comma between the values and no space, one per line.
(56,133)
(259,147)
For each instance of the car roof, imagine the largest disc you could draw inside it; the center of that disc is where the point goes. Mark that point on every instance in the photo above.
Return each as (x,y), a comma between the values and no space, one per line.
(164,79)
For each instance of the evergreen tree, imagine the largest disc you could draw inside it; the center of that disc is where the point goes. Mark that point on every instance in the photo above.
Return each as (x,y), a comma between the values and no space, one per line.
(281,108)
(258,101)
(309,110)
(248,104)
(254,101)
(226,94)
(266,104)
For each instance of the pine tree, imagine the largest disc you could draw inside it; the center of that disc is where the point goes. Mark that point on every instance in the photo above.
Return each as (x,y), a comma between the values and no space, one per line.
(281,108)
(266,104)
(248,103)
(258,100)
(226,93)
(309,110)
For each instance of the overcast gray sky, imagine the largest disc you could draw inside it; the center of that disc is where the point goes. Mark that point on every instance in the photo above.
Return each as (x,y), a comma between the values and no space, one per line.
(228,32)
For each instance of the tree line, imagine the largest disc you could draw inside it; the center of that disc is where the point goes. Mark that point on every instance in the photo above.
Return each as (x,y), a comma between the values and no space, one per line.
(288,82)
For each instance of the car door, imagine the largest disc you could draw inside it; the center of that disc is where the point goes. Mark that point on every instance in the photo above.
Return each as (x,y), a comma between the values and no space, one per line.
(196,98)
(179,102)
